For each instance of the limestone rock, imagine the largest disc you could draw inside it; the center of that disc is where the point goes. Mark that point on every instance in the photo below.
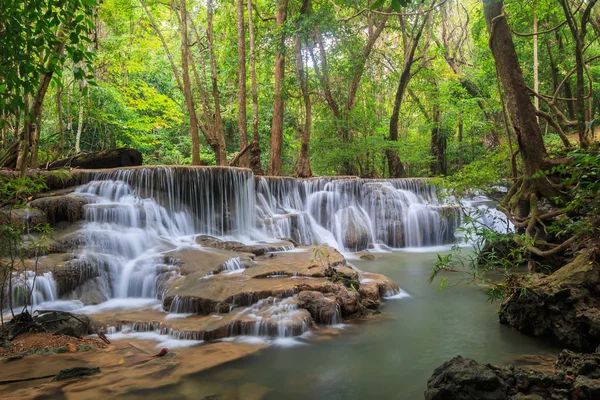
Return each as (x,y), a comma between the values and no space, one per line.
(466,379)
(564,306)
(324,310)
(258,249)
(76,372)
(67,208)
(355,230)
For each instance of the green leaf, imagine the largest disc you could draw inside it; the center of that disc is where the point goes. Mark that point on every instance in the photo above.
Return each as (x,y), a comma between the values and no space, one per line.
(377,4)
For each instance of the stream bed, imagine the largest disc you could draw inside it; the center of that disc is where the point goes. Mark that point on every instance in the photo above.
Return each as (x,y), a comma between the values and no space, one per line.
(388,358)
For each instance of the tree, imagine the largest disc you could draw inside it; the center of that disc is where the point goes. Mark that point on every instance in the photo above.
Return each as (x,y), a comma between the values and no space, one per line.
(303,170)
(242,122)
(275,161)
(36,40)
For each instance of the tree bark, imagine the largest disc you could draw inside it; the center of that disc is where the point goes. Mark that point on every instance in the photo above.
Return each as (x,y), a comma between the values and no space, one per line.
(113,158)
(164,45)
(79,122)
(218,143)
(61,123)
(522,112)
(242,120)
(255,149)
(304,170)
(275,157)
(438,144)
(187,86)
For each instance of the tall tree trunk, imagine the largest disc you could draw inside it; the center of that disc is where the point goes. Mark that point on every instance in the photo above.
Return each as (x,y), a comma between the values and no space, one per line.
(61,123)
(536,65)
(304,170)
(187,86)
(164,44)
(255,149)
(438,143)
(36,138)
(460,144)
(79,122)
(242,121)
(275,158)
(522,112)
(395,167)
(218,143)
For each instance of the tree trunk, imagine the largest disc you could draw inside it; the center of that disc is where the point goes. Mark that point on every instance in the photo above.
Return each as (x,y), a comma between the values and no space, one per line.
(218,143)
(61,124)
(522,112)
(304,170)
(438,144)
(79,122)
(255,149)
(187,86)
(460,140)
(113,158)
(164,45)
(275,158)
(242,121)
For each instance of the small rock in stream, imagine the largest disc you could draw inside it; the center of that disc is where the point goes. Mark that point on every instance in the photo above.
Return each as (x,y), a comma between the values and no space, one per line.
(75,372)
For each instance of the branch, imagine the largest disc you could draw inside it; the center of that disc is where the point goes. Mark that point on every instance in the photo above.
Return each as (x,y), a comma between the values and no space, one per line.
(391,13)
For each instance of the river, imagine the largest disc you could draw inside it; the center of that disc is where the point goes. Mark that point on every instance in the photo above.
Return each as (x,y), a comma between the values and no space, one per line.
(388,358)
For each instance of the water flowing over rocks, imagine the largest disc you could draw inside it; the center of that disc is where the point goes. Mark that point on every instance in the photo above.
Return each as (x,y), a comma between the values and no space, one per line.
(208,253)
(577,377)
(564,306)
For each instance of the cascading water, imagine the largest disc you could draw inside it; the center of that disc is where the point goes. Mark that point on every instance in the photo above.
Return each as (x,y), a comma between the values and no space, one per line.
(136,215)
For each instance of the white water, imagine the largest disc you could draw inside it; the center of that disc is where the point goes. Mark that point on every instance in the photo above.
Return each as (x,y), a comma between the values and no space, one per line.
(137,215)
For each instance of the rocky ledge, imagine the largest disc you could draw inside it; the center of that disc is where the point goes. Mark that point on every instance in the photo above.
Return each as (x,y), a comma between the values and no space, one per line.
(577,377)
(564,306)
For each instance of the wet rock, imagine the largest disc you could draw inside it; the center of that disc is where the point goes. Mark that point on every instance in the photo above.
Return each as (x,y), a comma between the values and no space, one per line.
(466,379)
(74,273)
(259,249)
(574,364)
(75,372)
(26,217)
(356,233)
(324,310)
(67,208)
(370,297)
(564,306)
(348,299)
(369,257)
(395,234)
(74,325)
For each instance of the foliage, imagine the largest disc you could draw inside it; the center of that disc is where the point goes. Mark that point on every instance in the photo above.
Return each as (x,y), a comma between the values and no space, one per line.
(38,38)
(15,246)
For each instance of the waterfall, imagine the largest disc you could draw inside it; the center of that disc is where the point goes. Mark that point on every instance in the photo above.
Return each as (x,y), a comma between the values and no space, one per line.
(134,216)
(348,213)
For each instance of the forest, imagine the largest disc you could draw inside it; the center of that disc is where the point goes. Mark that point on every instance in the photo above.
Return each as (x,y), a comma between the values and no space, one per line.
(334,187)
(292,88)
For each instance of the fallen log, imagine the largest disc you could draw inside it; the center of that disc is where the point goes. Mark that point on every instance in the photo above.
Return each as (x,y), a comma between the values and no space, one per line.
(113,158)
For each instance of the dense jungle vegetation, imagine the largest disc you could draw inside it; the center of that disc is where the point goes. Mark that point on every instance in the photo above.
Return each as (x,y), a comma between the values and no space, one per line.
(375,89)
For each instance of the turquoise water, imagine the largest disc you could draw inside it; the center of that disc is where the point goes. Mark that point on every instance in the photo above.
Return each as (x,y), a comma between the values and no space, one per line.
(390,357)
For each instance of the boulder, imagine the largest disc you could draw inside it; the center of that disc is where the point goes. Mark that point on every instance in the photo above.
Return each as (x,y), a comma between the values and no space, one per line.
(395,234)
(68,208)
(577,377)
(564,306)
(355,230)
(466,379)
(324,310)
